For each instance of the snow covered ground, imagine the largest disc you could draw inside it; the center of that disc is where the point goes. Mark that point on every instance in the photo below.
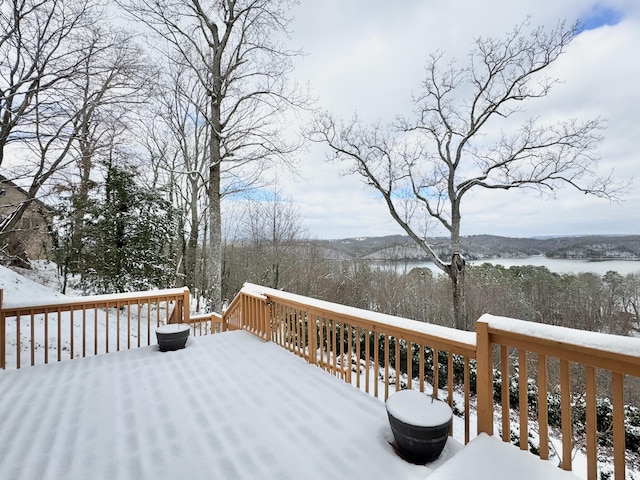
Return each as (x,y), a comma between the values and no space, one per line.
(228,406)
(104,330)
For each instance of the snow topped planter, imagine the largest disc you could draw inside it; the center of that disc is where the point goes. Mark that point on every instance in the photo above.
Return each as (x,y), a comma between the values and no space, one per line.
(172,337)
(420,425)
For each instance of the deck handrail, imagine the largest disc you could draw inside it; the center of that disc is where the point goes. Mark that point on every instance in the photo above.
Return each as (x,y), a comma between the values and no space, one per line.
(325,334)
(290,316)
(620,356)
(334,337)
(59,316)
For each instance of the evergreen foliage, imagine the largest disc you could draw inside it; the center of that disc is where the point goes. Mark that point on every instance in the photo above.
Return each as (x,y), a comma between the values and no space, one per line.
(128,237)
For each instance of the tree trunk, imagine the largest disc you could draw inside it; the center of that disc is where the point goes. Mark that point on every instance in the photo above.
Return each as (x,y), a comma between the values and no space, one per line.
(456,271)
(214,263)
(457,268)
(192,243)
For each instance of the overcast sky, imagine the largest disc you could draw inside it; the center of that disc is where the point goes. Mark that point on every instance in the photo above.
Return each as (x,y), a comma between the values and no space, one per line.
(369,56)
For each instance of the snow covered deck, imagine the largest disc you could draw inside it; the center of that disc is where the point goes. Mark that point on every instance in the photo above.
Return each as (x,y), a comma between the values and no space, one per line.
(229,406)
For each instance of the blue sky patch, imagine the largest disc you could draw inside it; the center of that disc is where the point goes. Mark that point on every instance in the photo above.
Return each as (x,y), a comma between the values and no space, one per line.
(600,16)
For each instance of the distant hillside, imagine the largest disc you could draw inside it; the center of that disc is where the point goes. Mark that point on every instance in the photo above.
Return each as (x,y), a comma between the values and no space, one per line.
(477,247)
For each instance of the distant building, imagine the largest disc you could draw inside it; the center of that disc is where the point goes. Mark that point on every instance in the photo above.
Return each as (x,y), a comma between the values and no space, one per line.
(31,236)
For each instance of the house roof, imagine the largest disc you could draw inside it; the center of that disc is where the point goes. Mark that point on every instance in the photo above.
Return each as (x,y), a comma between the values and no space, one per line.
(12,184)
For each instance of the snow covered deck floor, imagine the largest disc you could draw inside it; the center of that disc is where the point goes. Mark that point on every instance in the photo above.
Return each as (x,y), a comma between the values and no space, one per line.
(229,406)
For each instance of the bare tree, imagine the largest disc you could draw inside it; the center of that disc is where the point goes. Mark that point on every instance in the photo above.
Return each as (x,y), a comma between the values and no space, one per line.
(231,47)
(177,144)
(453,144)
(275,230)
(100,102)
(38,51)
(67,81)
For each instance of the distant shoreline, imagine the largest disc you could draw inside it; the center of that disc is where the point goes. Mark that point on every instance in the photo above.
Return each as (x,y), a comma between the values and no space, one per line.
(555,265)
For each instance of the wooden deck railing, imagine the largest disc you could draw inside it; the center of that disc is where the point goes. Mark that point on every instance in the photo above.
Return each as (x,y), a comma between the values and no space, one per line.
(363,348)
(374,352)
(332,336)
(90,325)
(574,353)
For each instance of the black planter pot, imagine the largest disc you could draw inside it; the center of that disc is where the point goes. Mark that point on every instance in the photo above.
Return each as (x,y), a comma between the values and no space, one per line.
(420,425)
(172,337)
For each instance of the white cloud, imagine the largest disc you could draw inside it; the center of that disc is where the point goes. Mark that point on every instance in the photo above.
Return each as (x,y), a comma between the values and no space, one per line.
(368,56)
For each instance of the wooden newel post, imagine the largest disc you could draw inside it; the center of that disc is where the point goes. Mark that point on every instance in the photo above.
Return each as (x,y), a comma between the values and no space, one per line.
(267,309)
(243,311)
(484,377)
(186,306)
(313,337)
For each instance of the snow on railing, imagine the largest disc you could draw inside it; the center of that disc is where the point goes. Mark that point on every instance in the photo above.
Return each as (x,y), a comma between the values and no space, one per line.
(374,352)
(350,343)
(364,348)
(564,360)
(32,333)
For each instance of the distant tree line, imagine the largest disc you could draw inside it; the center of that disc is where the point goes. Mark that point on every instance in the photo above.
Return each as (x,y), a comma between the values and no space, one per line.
(268,246)
(609,303)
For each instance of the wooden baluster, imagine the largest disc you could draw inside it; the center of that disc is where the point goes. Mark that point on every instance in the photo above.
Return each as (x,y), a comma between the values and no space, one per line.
(349,353)
(178,311)
(106,328)
(59,334)
(84,332)
(591,423)
(71,332)
(398,364)
(436,371)
(367,355)
(46,337)
(387,338)
(565,404)
(334,348)
(450,379)
(505,374)
(409,365)
(18,341)
(617,397)
(523,403)
(149,322)
(450,386)
(543,409)
(376,366)
(467,388)
(33,338)
(95,330)
(358,348)
(421,366)
(117,327)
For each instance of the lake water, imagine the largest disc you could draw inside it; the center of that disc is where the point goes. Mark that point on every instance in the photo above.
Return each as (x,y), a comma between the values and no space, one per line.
(600,267)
